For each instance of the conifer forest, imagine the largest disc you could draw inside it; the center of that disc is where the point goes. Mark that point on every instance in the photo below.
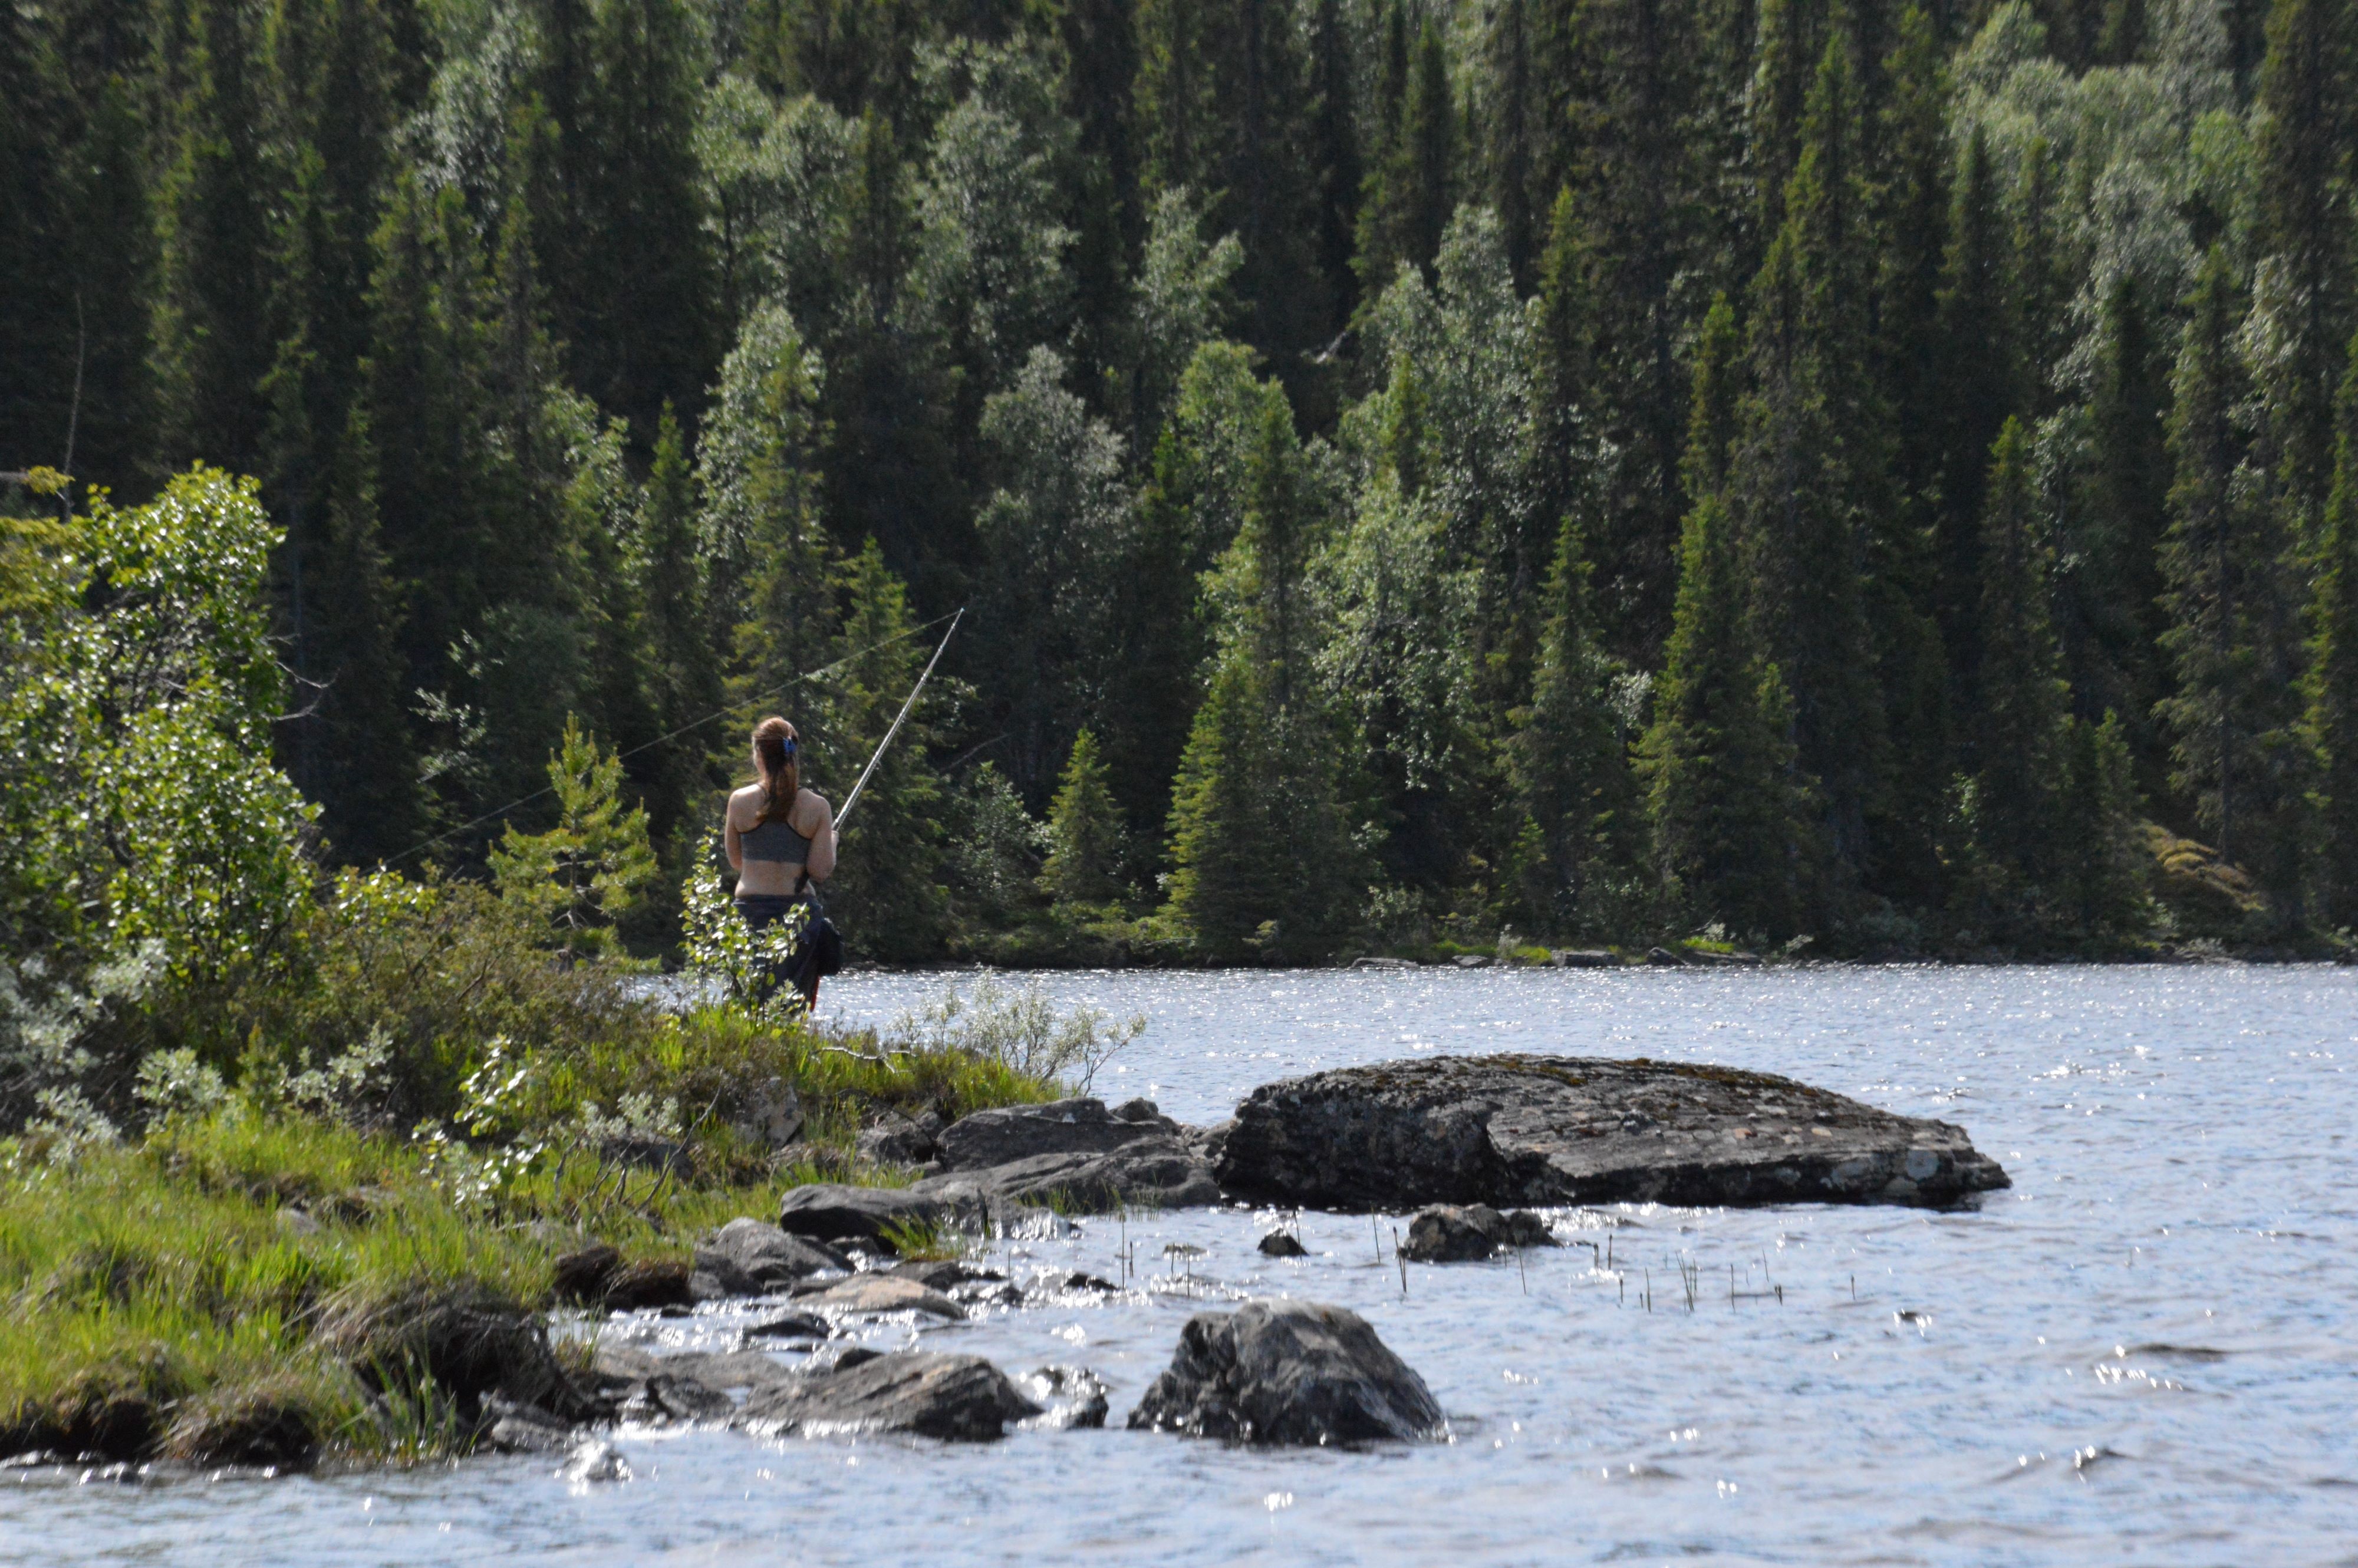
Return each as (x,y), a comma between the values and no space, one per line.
(1867,474)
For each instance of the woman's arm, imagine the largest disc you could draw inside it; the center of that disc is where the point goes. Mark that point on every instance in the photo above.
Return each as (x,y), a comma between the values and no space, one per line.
(821,864)
(728,839)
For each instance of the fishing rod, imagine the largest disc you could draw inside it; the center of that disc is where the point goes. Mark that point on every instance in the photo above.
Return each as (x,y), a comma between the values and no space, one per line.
(853,799)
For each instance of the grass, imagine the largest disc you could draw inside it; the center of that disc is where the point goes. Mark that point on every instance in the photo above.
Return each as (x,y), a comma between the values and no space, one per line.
(175,1296)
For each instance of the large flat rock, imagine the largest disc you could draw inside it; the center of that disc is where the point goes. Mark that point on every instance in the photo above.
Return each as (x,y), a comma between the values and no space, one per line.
(1517,1130)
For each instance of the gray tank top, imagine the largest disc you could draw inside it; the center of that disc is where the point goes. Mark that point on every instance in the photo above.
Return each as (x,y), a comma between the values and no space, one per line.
(775,842)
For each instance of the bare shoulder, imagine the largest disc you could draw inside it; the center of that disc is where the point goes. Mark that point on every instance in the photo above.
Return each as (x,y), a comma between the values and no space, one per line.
(811,811)
(745,807)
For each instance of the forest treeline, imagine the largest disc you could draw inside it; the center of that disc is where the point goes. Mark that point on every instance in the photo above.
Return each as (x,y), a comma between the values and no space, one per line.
(1874,471)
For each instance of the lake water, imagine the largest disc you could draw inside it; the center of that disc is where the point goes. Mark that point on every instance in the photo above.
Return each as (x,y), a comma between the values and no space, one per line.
(2145,1352)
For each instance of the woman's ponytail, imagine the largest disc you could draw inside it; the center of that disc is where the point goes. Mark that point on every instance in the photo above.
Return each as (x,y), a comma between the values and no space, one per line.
(782,773)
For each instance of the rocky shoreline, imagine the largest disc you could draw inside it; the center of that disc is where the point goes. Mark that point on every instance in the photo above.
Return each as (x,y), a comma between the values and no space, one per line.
(1448,1137)
(1473,1144)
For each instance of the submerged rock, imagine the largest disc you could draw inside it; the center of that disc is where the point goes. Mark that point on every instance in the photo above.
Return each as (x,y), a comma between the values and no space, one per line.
(956,1398)
(878,1294)
(1283,1244)
(1073,1398)
(1564,1130)
(1446,1233)
(1288,1372)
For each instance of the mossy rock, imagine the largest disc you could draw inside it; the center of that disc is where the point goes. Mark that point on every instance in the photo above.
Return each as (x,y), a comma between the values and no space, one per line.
(2206,893)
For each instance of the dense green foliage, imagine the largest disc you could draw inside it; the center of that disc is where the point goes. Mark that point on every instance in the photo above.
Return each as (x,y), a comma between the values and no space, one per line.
(1371,528)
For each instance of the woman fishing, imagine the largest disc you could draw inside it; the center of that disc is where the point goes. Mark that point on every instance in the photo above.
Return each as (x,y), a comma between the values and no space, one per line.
(781,840)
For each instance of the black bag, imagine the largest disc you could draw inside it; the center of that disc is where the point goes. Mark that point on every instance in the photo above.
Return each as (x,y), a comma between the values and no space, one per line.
(822,944)
(825,944)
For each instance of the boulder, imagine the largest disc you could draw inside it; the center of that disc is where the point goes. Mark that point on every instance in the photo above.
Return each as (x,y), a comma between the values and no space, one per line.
(831,1211)
(1077,1154)
(1565,1130)
(877,1295)
(767,1114)
(1288,1372)
(1283,1244)
(470,1339)
(954,1398)
(750,1257)
(895,1141)
(1446,1233)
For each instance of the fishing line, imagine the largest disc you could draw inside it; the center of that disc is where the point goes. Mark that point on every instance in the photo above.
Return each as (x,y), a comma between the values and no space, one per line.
(853,799)
(720,713)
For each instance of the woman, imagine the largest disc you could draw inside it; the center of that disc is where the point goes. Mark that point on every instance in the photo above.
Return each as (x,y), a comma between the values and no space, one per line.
(781,839)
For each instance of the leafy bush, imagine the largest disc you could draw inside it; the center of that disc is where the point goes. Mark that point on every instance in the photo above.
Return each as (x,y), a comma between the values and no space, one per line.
(1019,1029)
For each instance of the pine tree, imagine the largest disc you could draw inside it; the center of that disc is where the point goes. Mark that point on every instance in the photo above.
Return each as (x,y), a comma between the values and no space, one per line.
(1085,833)
(887,893)
(2332,689)
(2230,637)
(2094,880)
(590,870)
(1570,757)
(1512,134)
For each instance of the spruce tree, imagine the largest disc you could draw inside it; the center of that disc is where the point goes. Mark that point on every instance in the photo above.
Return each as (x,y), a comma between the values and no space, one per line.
(2114,616)
(2042,283)
(2305,136)
(887,893)
(362,757)
(1106,212)
(1639,231)
(2332,678)
(1979,389)
(1571,753)
(1085,832)
(1336,164)
(1411,183)
(1912,232)
(1262,852)
(39,332)
(1805,481)
(2230,636)
(683,673)
(644,335)
(2018,728)
(1726,802)
(214,340)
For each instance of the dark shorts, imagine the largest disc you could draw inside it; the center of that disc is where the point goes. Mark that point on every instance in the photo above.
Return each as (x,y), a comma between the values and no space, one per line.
(761,911)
